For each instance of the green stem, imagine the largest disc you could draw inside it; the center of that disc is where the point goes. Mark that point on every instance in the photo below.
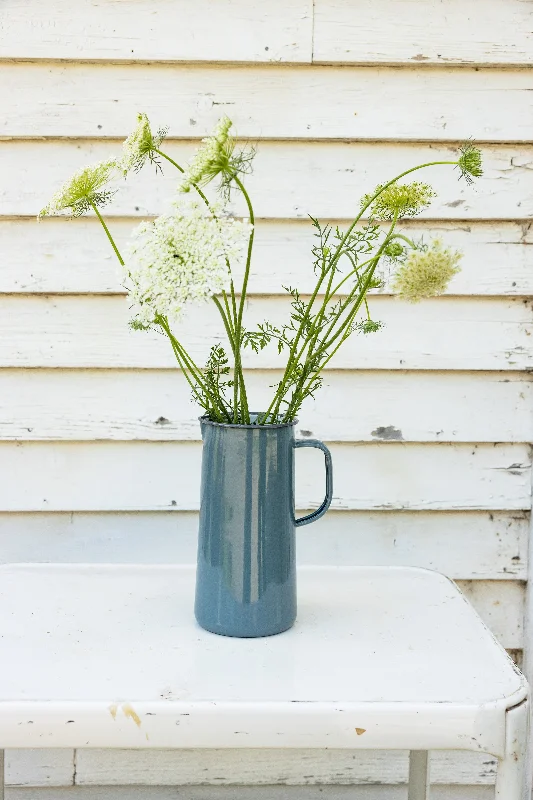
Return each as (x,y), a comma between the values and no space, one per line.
(192,367)
(275,404)
(405,238)
(175,163)
(235,344)
(362,293)
(240,313)
(300,391)
(106,229)
(185,371)
(349,275)
(226,321)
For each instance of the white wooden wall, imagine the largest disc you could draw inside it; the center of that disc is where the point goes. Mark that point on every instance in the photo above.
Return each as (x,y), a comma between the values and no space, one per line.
(429,421)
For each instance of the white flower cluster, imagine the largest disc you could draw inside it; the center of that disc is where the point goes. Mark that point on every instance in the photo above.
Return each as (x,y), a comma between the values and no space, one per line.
(180,258)
(210,159)
(426,272)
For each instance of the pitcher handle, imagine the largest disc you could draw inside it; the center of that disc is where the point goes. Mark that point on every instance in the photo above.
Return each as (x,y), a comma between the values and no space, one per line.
(329,481)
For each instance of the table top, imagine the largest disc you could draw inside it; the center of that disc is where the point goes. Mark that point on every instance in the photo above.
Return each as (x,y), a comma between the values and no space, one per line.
(90,654)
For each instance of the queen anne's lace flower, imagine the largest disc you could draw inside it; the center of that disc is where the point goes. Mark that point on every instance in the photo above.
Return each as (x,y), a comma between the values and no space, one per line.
(83,190)
(470,162)
(140,145)
(426,272)
(399,200)
(212,158)
(180,258)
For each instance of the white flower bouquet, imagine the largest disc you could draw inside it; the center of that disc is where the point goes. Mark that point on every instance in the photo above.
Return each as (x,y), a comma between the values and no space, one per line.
(187,256)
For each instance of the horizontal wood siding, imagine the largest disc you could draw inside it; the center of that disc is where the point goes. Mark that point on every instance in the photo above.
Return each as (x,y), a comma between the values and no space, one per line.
(485,545)
(496,259)
(172,30)
(151,476)
(429,421)
(384,32)
(154,405)
(66,331)
(245,792)
(361,103)
(290,179)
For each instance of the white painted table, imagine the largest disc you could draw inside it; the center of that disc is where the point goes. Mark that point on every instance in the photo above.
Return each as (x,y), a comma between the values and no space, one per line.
(380,658)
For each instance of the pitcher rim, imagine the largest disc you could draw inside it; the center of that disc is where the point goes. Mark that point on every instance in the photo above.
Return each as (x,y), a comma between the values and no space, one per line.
(204,420)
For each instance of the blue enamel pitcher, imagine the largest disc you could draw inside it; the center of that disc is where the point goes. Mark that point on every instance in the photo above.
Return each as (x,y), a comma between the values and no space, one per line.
(246,576)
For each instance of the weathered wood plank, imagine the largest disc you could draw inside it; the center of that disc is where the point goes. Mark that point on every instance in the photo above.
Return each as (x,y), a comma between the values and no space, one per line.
(271,767)
(39,767)
(153,476)
(85,405)
(444,333)
(290,179)
(434,33)
(166,30)
(500,604)
(462,545)
(39,258)
(374,32)
(375,792)
(318,102)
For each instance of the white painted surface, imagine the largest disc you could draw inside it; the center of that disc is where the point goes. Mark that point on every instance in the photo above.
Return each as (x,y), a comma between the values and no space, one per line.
(169,684)
(446,33)
(375,32)
(362,103)
(230,767)
(447,333)
(476,545)
(168,31)
(460,398)
(290,179)
(155,476)
(38,258)
(155,405)
(245,792)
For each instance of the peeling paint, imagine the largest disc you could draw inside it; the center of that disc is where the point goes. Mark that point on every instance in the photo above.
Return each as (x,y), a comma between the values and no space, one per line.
(388,433)
(113,708)
(130,712)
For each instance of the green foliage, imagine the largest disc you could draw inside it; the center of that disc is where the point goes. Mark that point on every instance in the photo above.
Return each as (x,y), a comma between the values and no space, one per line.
(216,382)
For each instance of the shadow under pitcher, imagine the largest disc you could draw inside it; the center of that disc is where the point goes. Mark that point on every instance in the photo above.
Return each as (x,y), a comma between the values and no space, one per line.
(246,576)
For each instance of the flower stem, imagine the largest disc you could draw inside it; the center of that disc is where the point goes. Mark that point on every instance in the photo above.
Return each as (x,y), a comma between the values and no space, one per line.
(238,324)
(106,229)
(239,386)
(175,163)
(178,348)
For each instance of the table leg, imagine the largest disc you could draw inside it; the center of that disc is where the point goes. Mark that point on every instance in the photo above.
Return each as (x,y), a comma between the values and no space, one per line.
(2,772)
(418,775)
(512,781)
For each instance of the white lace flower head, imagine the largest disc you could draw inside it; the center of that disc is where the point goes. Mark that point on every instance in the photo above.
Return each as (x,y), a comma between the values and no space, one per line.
(426,272)
(181,258)
(85,189)
(140,145)
(399,200)
(211,158)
